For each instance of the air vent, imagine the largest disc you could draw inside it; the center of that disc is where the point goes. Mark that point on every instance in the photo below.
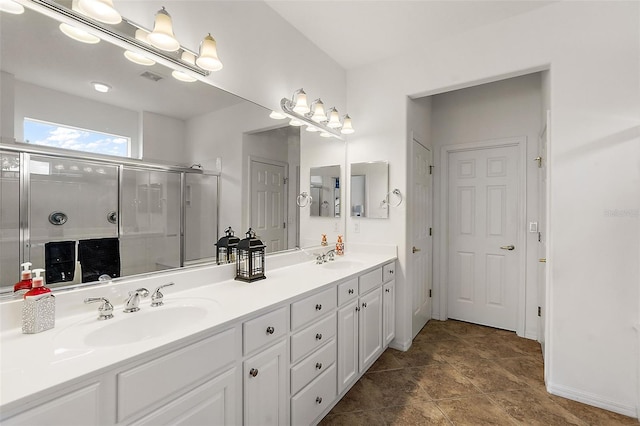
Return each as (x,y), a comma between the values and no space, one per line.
(151,76)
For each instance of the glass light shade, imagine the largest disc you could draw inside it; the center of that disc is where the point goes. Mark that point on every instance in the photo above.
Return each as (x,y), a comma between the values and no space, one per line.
(181,75)
(295,122)
(78,35)
(347,128)
(11,7)
(136,57)
(300,102)
(208,55)
(311,129)
(100,10)
(325,134)
(162,35)
(277,115)
(333,119)
(319,113)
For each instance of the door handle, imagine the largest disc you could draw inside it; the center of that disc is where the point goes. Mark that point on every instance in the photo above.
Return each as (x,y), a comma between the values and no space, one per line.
(543,260)
(415,249)
(509,247)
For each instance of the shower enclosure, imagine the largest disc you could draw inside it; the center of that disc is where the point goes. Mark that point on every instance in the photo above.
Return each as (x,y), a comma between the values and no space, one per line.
(76,215)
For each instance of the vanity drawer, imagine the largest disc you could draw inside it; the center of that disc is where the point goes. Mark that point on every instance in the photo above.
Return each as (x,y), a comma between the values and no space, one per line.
(307,405)
(388,272)
(312,307)
(312,337)
(347,291)
(264,330)
(370,280)
(153,381)
(311,367)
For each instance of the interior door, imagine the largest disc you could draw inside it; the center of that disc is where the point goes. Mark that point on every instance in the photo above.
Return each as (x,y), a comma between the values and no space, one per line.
(483,271)
(268,204)
(422,258)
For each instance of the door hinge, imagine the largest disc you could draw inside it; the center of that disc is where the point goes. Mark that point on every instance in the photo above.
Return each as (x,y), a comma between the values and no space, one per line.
(539,311)
(430,170)
(284,225)
(429,292)
(285,180)
(430,231)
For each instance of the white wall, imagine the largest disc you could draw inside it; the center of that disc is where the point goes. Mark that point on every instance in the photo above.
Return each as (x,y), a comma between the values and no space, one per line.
(508,108)
(7,92)
(164,139)
(592,51)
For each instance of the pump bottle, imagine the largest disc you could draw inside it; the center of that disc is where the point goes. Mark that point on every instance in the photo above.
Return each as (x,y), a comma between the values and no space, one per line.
(25,283)
(39,307)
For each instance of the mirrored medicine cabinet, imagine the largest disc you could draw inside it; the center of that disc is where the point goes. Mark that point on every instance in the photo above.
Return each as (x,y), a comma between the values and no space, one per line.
(369,190)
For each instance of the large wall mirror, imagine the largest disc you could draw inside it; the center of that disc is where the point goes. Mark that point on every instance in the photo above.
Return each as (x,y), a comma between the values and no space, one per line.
(370,189)
(166,123)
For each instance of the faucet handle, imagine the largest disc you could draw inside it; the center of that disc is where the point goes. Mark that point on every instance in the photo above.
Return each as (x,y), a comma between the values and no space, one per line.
(105,310)
(142,292)
(157,296)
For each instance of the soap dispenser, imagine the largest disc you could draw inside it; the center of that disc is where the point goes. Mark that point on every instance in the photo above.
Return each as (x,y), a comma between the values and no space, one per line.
(39,307)
(25,283)
(340,246)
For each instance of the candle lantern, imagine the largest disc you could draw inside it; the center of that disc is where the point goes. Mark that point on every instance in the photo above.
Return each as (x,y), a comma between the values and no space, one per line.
(250,258)
(226,247)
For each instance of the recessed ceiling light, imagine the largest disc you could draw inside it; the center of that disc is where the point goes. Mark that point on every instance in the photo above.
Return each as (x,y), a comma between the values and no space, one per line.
(101,87)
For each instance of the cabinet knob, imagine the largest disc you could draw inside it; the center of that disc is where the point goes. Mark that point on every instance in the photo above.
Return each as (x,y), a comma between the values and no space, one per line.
(391,271)
(386,290)
(253,372)
(350,291)
(270,330)
(318,307)
(357,308)
(319,336)
(318,365)
(364,304)
(319,400)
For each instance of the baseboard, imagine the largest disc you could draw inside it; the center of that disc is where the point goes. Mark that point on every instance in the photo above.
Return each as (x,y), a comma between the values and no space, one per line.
(401,346)
(592,399)
(531,335)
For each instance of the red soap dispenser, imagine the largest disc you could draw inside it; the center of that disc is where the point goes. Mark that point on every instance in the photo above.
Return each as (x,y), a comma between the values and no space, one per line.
(38,287)
(25,283)
(38,307)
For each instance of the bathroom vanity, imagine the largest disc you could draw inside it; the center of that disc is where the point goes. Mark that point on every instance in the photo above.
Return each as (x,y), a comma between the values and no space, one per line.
(279,351)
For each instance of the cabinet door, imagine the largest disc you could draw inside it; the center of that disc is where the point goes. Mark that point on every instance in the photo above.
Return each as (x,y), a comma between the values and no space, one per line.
(215,402)
(265,387)
(389,312)
(370,328)
(347,344)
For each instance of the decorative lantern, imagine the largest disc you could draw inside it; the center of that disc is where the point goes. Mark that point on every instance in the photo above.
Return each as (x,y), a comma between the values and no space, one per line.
(250,258)
(226,248)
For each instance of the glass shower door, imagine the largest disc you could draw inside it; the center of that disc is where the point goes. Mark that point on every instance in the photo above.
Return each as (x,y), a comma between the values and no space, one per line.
(9,219)
(201,217)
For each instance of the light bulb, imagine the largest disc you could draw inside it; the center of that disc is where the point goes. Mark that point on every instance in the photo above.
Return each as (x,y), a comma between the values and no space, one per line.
(10,6)
(347,127)
(300,102)
(100,10)
(162,35)
(208,55)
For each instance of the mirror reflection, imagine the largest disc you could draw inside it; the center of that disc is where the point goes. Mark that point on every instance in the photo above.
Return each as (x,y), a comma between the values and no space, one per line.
(369,189)
(325,191)
(148,117)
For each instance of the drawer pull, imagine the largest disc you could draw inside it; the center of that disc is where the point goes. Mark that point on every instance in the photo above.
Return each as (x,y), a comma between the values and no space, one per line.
(319,336)
(253,372)
(364,304)
(271,330)
(319,400)
(391,271)
(386,290)
(318,366)
(357,308)
(318,307)
(350,291)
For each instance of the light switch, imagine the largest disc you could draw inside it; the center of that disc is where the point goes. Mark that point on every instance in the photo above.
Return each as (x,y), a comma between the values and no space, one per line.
(533,226)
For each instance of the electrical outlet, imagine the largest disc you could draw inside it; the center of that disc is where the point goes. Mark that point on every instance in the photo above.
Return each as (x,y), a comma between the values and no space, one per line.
(356,227)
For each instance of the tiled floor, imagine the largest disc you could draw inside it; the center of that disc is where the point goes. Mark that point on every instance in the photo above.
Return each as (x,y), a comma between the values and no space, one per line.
(462,374)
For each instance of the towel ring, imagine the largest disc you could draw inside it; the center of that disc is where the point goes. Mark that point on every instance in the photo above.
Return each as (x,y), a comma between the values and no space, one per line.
(304,197)
(395,192)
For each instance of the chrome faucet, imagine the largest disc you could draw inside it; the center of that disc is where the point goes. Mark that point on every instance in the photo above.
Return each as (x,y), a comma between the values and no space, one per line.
(323,258)
(105,311)
(157,296)
(131,305)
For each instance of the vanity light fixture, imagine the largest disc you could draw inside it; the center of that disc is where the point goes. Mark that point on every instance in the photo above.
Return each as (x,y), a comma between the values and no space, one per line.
(162,35)
(329,124)
(277,115)
(138,58)
(181,75)
(10,6)
(101,87)
(100,10)
(208,55)
(76,33)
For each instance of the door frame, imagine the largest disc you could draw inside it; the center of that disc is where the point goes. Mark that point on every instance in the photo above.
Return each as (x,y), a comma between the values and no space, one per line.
(521,143)
(285,201)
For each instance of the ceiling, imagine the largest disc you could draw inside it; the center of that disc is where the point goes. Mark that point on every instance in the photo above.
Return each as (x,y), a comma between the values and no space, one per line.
(356,33)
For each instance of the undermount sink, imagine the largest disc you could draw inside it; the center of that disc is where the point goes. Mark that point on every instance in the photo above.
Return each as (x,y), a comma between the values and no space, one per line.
(127,328)
(342,264)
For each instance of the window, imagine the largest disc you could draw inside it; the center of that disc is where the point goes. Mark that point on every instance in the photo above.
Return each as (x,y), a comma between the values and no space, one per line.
(60,136)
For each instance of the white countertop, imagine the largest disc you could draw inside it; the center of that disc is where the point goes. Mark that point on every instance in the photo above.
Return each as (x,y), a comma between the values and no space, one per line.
(34,363)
